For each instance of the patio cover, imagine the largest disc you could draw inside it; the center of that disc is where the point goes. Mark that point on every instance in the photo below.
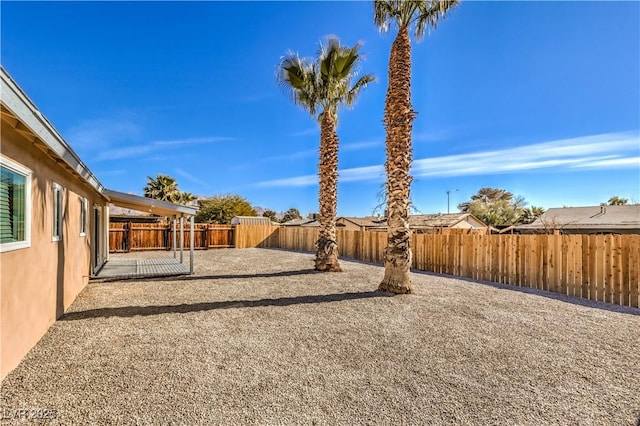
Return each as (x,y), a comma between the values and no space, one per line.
(149,205)
(162,208)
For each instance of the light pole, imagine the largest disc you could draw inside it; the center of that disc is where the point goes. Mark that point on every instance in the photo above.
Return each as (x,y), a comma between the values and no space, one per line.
(448,193)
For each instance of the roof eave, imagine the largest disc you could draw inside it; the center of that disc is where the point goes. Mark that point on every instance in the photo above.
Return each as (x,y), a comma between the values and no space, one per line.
(19,104)
(150,205)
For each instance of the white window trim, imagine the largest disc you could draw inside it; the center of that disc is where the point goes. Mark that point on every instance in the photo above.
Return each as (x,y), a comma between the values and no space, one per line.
(83,224)
(54,237)
(27,173)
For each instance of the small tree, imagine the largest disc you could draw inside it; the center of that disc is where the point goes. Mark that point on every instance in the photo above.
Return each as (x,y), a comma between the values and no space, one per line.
(291,214)
(495,207)
(270,214)
(616,201)
(530,214)
(220,209)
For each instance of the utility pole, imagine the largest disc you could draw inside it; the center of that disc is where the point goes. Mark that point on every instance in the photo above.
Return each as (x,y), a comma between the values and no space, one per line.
(448,193)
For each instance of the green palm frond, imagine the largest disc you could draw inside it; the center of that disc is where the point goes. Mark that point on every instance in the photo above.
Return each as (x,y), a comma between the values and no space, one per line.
(326,84)
(298,76)
(353,93)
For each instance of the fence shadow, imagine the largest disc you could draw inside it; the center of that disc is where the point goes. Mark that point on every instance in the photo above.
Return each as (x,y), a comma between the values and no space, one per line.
(574,300)
(132,311)
(234,276)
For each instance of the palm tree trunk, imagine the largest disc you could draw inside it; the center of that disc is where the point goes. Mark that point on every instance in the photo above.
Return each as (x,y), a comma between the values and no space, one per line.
(327,247)
(398,116)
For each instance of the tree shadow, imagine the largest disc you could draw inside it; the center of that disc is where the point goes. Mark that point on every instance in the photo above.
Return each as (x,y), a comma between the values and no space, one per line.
(131,311)
(246,276)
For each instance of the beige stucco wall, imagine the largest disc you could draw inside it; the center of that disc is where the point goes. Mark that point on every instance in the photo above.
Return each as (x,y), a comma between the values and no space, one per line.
(38,283)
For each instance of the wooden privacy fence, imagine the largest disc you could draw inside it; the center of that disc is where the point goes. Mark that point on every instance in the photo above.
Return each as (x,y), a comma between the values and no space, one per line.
(131,236)
(605,268)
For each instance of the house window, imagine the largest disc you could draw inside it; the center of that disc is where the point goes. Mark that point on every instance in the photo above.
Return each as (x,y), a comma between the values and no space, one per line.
(57,212)
(83,217)
(15,206)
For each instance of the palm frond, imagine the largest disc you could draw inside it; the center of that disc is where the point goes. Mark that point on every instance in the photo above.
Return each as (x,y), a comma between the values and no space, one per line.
(327,82)
(354,92)
(404,13)
(430,13)
(297,76)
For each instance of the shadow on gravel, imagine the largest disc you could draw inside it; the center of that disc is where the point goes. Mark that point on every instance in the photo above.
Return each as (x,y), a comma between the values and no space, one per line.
(543,293)
(131,311)
(223,276)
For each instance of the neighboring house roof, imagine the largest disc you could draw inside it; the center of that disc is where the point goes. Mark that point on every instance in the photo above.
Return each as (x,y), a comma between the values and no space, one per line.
(415,221)
(442,220)
(297,222)
(21,113)
(368,221)
(313,223)
(589,218)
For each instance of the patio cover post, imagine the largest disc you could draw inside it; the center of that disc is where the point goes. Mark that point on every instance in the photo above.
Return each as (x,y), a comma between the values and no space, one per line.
(181,238)
(191,242)
(175,236)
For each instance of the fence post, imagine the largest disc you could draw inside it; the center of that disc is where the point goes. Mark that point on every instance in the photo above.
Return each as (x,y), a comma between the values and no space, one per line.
(127,239)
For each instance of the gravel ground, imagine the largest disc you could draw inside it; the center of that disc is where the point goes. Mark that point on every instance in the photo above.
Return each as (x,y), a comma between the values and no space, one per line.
(257,337)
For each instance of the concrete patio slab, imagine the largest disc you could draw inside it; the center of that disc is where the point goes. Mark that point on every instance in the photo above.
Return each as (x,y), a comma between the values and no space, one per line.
(122,269)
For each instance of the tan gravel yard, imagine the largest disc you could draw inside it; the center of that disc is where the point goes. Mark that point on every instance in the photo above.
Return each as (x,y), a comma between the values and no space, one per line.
(257,337)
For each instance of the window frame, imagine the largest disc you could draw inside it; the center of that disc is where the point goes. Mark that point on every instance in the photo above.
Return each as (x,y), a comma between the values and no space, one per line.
(84,211)
(58,212)
(27,174)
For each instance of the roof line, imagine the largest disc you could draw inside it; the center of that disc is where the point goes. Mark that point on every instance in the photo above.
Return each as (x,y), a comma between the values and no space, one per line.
(20,105)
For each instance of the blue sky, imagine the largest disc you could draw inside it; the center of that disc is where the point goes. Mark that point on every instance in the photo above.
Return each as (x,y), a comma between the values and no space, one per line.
(539,98)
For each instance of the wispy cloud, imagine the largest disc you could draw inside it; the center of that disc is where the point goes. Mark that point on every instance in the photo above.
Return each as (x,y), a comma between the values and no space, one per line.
(592,152)
(192,141)
(97,134)
(431,137)
(357,146)
(314,152)
(125,152)
(136,150)
(190,177)
(310,131)
(293,156)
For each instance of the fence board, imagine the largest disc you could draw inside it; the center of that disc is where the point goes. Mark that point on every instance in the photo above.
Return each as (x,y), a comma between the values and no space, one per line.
(634,270)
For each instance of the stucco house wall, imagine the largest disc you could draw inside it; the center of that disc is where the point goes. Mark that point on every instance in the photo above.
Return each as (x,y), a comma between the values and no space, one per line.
(39,282)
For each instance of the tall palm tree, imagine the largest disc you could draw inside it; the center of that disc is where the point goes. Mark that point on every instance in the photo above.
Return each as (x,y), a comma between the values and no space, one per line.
(321,87)
(398,118)
(163,188)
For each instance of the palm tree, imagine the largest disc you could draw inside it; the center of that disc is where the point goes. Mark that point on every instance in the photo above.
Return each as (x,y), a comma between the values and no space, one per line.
(398,116)
(163,188)
(186,198)
(321,87)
